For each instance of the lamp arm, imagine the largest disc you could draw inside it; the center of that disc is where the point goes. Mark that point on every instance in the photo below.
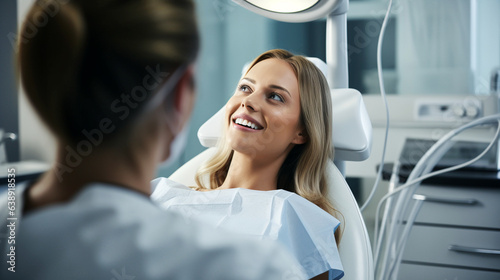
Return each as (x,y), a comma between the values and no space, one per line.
(336,50)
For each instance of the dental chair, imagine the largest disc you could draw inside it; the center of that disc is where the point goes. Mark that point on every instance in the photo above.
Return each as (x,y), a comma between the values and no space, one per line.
(352,141)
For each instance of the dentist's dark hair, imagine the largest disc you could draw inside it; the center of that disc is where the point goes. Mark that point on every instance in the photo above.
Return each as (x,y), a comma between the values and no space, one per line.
(85,61)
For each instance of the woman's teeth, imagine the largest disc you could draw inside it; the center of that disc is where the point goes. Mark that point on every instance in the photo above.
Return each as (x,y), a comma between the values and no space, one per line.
(246,123)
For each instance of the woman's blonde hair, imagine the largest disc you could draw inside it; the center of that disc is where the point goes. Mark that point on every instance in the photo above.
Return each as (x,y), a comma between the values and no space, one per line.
(81,61)
(304,169)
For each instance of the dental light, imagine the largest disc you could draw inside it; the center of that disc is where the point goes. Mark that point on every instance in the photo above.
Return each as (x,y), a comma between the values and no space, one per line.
(292,10)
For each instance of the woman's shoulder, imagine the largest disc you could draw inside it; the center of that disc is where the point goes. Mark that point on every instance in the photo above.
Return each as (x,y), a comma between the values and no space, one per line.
(163,188)
(288,205)
(298,201)
(303,207)
(162,182)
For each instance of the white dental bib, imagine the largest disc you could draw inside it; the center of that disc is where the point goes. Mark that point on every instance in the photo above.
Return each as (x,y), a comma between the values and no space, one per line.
(301,226)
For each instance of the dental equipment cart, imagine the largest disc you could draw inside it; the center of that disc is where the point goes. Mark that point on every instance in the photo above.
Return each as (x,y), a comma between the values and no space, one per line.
(456,234)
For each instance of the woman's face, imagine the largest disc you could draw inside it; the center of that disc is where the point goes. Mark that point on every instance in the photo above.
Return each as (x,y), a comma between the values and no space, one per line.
(263,115)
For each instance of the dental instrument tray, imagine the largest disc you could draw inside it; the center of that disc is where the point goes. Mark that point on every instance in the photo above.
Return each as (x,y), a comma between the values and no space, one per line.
(460,152)
(465,178)
(482,172)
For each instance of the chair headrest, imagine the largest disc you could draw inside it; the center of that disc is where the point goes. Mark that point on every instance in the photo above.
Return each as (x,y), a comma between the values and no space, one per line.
(351,126)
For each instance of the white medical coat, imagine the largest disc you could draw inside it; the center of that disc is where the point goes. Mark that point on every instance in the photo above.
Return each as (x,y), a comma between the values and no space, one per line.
(108,232)
(301,226)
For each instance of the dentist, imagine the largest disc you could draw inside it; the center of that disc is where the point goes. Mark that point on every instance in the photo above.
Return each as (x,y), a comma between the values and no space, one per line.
(114,83)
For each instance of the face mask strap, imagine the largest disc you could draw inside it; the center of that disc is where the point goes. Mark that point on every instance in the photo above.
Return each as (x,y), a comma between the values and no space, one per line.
(164,91)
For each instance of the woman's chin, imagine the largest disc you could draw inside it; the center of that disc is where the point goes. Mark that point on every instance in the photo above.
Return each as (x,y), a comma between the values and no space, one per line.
(243,147)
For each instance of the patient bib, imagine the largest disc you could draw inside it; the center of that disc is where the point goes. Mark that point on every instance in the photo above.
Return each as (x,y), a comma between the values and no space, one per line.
(301,226)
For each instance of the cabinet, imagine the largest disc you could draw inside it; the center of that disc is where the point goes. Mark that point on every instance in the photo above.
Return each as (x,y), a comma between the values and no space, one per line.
(457,232)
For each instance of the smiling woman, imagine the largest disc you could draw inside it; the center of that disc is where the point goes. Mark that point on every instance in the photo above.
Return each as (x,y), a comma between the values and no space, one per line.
(288,99)
(268,176)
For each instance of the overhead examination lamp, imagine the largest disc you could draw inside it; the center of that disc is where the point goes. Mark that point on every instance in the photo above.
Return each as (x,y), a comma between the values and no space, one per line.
(309,10)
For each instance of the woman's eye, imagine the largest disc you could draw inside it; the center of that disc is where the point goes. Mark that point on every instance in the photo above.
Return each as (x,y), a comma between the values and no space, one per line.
(276,97)
(244,88)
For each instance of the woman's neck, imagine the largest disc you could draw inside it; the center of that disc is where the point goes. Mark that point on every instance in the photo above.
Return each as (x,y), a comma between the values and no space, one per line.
(248,173)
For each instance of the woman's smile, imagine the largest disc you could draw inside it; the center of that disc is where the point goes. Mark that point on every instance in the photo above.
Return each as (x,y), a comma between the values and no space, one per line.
(246,123)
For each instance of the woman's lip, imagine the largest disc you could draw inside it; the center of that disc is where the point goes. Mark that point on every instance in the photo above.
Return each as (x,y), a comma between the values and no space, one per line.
(248,118)
(244,128)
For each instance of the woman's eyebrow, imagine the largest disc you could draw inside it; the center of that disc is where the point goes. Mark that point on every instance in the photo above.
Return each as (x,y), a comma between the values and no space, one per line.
(250,80)
(271,86)
(280,88)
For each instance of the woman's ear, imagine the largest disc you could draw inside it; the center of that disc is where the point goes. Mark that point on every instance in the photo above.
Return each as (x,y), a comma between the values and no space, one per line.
(300,137)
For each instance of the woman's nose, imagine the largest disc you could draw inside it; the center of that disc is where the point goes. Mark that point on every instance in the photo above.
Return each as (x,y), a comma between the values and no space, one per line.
(251,102)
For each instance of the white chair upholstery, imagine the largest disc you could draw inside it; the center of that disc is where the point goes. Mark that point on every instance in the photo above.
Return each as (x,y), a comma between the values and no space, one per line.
(355,249)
